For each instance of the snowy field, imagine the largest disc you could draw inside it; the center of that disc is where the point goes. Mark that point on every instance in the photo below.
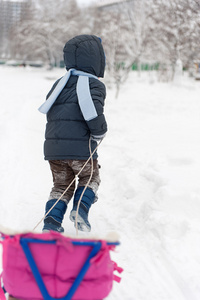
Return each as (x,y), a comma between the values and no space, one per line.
(150,190)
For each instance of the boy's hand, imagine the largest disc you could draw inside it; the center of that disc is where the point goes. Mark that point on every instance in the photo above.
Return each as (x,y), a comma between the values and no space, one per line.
(97,138)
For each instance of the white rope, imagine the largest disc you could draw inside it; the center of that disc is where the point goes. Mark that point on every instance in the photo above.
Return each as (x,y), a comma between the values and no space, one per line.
(91,154)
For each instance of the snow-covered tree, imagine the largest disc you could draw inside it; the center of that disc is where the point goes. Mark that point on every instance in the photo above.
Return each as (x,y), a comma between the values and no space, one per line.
(175,30)
(126,36)
(133,32)
(44,34)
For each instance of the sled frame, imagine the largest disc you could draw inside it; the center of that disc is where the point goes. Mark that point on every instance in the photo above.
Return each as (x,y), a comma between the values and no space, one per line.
(96,246)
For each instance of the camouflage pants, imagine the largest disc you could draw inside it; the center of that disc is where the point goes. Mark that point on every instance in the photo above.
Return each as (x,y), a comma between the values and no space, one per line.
(64,171)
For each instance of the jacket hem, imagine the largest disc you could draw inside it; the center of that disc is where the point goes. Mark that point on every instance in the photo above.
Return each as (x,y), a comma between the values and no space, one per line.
(57,157)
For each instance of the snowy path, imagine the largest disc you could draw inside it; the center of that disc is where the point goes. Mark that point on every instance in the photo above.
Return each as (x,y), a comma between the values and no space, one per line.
(150,193)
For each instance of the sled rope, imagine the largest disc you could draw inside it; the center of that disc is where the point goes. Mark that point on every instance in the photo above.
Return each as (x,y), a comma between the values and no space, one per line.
(90,158)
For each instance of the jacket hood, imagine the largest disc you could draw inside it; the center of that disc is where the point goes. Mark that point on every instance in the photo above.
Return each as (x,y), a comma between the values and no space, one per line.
(85,53)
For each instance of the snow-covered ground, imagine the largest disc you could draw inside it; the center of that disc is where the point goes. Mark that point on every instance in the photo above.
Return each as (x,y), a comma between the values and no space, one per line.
(150,190)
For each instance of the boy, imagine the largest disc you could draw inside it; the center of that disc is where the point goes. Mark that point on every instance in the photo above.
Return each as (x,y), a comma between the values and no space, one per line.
(75,117)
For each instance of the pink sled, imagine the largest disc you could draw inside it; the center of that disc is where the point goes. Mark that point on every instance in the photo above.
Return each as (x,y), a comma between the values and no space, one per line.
(52,266)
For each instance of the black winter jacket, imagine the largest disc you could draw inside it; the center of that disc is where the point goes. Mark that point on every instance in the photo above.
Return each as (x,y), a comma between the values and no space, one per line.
(67,133)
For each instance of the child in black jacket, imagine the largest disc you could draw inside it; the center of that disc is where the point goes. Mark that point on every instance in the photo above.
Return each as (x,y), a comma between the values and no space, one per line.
(75,117)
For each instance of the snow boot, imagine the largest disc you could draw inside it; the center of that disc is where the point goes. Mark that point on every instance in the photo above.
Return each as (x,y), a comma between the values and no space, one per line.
(54,219)
(85,204)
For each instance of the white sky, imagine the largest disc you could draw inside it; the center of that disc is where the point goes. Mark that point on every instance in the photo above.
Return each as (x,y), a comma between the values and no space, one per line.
(86,2)
(81,2)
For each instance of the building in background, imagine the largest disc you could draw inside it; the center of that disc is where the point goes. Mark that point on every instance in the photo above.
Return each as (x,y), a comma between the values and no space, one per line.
(11,13)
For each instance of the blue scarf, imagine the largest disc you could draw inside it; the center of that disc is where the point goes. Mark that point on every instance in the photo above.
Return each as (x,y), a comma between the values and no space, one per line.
(83,92)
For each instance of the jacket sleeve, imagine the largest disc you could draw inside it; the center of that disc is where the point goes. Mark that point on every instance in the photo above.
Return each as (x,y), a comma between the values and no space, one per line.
(98,125)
